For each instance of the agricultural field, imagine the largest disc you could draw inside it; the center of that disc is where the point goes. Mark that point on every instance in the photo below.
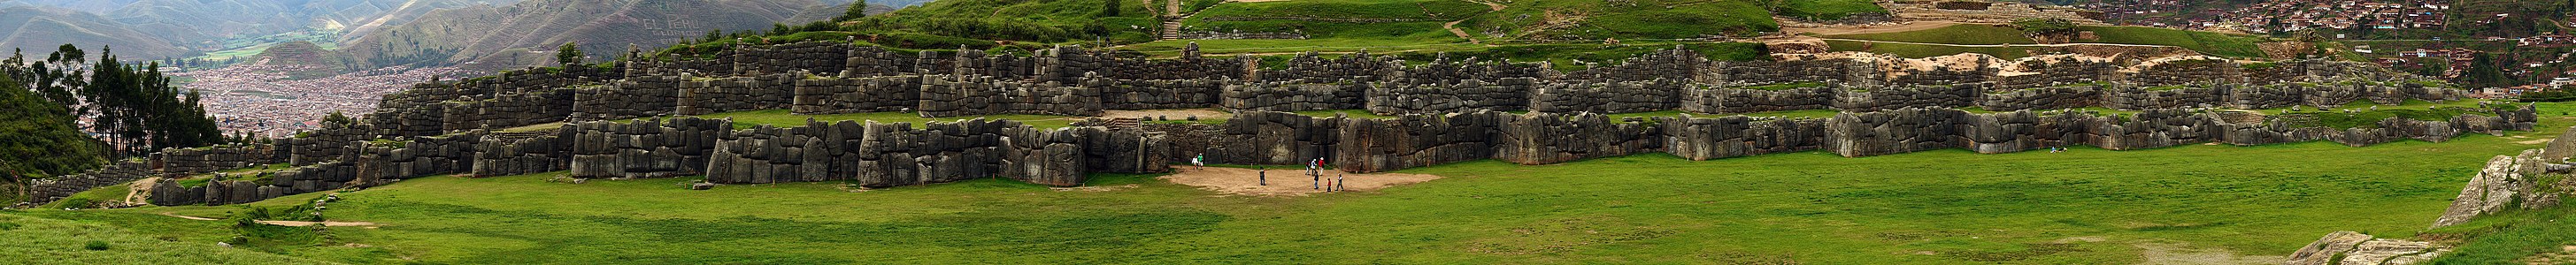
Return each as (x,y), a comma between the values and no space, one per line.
(2089,206)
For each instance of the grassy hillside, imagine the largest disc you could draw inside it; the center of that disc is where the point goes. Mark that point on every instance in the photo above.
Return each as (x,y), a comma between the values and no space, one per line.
(1827,9)
(40,29)
(1639,19)
(2085,206)
(2212,43)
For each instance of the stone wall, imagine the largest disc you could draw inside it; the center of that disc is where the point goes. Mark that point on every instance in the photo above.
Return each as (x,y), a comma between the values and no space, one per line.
(1132,94)
(1409,141)
(952,96)
(1284,96)
(1698,138)
(651,148)
(1460,96)
(48,190)
(210,159)
(857,95)
(882,155)
(1546,138)
(768,91)
(1607,97)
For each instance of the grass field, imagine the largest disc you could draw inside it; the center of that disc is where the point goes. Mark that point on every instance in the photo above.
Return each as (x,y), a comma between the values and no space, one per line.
(1625,20)
(1828,9)
(1953,34)
(1947,206)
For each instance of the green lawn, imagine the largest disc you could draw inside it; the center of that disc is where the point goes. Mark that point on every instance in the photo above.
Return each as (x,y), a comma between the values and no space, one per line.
(2086,206)
(1953,34)
(40,240)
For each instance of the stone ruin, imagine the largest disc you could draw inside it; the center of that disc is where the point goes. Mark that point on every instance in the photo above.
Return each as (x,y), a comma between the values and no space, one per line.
(1446,110)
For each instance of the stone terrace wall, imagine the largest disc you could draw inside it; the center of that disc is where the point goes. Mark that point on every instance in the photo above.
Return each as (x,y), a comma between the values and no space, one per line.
(768,91)
(632,97)
(881,155)
(857,95)
(953,96)
(644,149)
(1545,138)
(1607,97)
(1468,95)
(1270,138)
(1724,100)
(1283,96)
(1698,138)
(1409,141)
(48,190)
(549,152)
(210,159)
(1130,94)
(508,110)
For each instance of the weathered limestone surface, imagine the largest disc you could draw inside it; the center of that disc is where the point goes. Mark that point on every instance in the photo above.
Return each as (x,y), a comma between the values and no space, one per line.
(2347,247)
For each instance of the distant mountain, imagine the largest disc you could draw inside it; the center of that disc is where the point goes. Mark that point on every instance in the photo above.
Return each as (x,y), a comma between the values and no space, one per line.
(494,37)
(92,6)
(38,30)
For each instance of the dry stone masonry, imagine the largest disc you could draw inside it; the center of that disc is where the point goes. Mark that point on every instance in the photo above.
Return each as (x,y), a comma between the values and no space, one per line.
(625,120)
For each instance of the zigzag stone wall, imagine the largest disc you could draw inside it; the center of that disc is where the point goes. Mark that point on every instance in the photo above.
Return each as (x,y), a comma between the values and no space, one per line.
(440,127)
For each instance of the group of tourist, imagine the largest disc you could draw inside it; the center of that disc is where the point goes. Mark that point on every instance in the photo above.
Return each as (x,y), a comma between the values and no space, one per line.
(1314,169)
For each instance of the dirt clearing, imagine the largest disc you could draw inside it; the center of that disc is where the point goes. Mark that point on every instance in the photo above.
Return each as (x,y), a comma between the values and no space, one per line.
(1284,181)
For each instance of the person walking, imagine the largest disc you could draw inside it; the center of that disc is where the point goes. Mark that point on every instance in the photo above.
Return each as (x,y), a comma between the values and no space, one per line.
(1265,177)
(1200,161)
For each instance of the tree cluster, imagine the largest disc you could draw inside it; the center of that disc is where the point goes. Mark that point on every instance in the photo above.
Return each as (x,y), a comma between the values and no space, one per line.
(133,108)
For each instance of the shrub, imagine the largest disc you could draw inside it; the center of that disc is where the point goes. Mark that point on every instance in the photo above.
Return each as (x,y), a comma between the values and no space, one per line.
(95,245)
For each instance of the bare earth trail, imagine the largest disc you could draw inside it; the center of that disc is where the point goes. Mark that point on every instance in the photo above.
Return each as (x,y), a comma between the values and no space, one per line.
(1285,181)
(1452,26)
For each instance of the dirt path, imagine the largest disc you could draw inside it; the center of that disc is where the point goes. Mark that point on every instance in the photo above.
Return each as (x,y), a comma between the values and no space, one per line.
(1284,181)
(282,223)
(1452,26)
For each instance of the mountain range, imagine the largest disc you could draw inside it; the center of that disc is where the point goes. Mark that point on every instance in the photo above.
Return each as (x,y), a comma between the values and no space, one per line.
(385,32)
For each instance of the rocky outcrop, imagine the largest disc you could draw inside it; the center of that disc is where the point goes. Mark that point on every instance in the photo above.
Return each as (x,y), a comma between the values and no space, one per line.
(2507,182)
(2347,247)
